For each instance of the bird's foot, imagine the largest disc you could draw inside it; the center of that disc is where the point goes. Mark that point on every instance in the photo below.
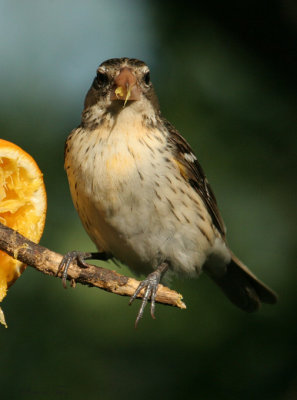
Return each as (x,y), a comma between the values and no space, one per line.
(79,257)
(150,286)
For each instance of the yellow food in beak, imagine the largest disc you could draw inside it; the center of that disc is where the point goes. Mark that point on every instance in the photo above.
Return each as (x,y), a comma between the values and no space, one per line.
(120,93)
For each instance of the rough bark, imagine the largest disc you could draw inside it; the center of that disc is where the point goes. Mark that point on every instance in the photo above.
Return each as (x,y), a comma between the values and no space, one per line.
(47,262)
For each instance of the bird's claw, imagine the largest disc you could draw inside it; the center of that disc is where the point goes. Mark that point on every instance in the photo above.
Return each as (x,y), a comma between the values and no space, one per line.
(79,257)
(150,286)
(68,258)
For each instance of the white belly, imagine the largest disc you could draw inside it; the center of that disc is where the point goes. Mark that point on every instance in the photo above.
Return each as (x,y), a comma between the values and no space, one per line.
(128,206)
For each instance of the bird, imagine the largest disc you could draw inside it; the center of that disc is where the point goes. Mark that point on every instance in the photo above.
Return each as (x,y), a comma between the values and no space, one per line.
(142,195)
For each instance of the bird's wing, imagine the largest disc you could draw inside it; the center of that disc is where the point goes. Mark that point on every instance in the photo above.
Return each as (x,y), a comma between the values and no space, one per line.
(193,173)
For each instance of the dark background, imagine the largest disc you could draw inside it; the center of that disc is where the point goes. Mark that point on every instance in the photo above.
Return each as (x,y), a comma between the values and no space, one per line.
(225,73)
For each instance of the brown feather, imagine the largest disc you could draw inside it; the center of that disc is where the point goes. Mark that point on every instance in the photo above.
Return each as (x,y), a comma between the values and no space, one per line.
(194,174)
(242,287)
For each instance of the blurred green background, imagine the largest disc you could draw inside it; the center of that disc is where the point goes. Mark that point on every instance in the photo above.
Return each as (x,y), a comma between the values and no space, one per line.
(225,73)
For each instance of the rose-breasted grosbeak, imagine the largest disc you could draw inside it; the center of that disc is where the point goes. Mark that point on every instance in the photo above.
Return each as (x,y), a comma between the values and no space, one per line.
(141,193)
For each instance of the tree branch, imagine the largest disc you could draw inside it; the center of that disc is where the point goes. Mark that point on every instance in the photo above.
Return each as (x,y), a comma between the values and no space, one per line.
(47,261)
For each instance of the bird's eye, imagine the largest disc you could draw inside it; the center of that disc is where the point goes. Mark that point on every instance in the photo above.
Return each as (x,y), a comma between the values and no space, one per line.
(102,78)
(147,78)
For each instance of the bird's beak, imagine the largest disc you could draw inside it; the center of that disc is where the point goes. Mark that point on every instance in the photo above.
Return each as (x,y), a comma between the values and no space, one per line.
(126,87)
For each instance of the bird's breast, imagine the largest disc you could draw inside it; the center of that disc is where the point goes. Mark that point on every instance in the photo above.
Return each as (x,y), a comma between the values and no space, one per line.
(111,174)
(132,199)
(113,167)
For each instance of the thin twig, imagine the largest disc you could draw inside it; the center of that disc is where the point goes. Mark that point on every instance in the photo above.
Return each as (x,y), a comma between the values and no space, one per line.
(47,261)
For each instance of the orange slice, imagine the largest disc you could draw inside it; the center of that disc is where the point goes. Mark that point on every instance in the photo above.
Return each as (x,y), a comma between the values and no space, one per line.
(22,205)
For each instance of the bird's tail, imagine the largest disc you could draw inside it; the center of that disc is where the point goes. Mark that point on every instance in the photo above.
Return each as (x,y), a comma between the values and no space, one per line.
(243,288)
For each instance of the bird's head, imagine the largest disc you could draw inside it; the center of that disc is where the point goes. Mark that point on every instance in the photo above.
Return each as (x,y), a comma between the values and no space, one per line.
(119,83)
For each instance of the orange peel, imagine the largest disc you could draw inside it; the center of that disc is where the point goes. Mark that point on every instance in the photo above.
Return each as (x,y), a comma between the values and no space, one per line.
(23,206)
